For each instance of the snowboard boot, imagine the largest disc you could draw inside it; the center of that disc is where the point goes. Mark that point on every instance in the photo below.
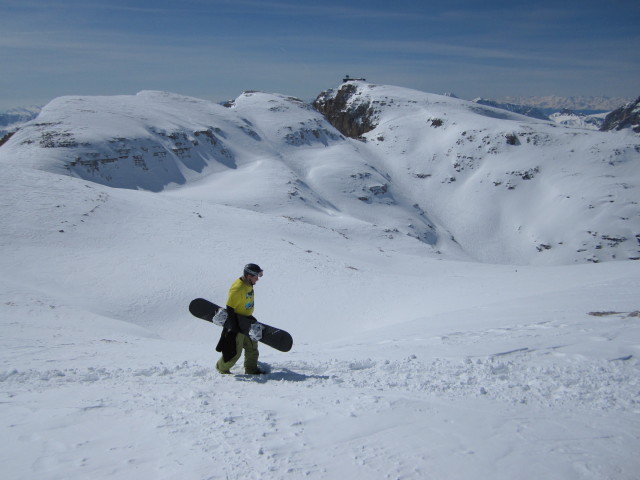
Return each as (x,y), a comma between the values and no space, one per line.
(222,372)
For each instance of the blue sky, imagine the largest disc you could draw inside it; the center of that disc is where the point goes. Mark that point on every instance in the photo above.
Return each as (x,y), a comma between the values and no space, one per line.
(215,49)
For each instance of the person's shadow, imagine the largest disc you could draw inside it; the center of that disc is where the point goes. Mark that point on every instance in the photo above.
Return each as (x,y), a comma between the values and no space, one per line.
(284,375)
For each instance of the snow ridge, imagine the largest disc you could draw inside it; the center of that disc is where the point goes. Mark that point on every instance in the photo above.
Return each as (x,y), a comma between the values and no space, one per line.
(468,179)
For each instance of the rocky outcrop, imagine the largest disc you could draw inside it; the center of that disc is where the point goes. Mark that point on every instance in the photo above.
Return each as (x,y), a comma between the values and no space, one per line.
(346,111)
(627,116)
(5,138)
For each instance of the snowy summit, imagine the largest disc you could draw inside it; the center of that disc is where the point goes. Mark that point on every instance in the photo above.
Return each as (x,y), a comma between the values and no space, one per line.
(484,183)
(461,283)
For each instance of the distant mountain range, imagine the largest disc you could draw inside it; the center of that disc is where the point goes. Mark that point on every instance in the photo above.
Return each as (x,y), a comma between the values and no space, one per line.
(542,107)
(552,103)
(12,119)
(523,109)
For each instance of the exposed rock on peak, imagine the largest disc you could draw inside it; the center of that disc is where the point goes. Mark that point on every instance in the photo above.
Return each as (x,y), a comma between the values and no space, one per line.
(627,116)
(352,115)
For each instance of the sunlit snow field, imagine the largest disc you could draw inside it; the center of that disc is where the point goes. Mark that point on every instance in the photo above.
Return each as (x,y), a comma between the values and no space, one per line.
(414,356)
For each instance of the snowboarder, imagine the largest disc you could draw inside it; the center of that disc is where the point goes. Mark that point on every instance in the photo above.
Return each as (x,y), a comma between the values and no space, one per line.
(240,302)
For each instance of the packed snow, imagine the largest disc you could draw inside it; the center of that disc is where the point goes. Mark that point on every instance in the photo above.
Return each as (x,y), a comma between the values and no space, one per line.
(426,345)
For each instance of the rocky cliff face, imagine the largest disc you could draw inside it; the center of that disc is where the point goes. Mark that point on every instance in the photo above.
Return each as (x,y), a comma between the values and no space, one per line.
(347,111)
(627,116)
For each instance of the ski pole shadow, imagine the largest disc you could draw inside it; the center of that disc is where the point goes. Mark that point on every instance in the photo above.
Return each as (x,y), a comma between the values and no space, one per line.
(284,375)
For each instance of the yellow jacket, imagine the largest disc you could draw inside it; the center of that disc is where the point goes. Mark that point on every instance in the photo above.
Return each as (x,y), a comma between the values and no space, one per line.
(241,298)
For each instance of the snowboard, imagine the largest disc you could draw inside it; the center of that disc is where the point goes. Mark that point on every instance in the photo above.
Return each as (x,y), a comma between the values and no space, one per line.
(272,336)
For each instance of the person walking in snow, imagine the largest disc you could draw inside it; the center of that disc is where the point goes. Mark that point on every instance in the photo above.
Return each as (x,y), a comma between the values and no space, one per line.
(240,304)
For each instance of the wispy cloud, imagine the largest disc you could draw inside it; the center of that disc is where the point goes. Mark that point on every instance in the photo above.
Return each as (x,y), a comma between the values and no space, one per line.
(315,9)
(290,46)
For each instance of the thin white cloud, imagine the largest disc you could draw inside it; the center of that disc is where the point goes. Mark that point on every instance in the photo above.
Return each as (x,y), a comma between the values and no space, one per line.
(106,47)
(317,9)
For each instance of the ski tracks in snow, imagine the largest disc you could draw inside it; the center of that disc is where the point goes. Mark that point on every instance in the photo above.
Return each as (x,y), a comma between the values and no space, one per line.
(384,416)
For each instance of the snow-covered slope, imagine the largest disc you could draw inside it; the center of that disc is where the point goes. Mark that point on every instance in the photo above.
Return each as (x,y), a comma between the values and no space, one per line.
(299,165)
(406,363)
(508,188)
(403,366)
(467,179)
